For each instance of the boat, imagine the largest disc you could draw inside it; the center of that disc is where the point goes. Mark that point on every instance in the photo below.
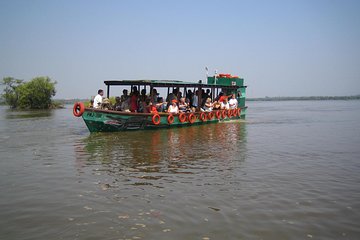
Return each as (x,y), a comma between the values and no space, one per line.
(101,120)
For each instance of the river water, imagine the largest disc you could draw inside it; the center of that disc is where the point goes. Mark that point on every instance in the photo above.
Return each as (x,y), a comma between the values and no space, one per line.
(290,171)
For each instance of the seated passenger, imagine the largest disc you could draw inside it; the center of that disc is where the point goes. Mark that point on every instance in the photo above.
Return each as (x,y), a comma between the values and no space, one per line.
(183,106)
(173,108)
(117,105)
(124,96)
(208,106)
(146,106)
(154,96)
(233,103)
(225,104)
(105,105)
(161,105)
(125,105)
(153,108)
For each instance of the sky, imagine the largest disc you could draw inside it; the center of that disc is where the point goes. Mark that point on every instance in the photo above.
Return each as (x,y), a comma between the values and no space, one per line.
(280,48)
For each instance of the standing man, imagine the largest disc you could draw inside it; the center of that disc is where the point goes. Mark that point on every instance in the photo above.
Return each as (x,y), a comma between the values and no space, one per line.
(98,99)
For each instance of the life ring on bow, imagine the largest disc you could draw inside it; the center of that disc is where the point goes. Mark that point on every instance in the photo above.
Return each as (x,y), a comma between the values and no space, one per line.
(182,117)
(156,119)
(192,118)
(170,119)
(202,116)
(78,109)
(218,114)
(210,115)
(223,114)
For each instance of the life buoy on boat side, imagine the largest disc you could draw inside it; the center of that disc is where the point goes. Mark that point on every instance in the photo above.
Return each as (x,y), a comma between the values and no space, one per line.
(235,112)
(192,118)
(182,117)
(218,114)
(202,117)
(156,119)
(78,109)
(170,119)
(223,114)
(239,112)
(210,115)
(229,113)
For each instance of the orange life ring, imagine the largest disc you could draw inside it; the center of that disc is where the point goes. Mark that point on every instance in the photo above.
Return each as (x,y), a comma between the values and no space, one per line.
(78,109)
(192,118)
(202,117)
(156,119)
(223,114)
(229,113)
(239,112)
(210,115)
(218,114)
(170,119)
(235,112)
(182,117)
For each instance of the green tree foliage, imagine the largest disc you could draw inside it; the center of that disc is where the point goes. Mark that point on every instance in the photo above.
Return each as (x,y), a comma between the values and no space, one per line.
(35,94)
(10,94)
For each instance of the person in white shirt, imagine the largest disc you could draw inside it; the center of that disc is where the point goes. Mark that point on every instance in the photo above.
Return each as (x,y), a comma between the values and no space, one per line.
(233,103)
(225,104)
(173,108)
(98,99)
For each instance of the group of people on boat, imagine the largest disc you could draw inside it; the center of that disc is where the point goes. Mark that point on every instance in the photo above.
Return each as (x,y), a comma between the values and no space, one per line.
(174,103)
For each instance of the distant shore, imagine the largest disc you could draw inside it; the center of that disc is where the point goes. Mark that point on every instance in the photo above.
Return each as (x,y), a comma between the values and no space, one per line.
(313,98)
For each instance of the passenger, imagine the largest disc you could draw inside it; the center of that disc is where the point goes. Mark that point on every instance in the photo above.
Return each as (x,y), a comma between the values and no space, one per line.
(189,95)
(216,105)
(208,93)
(195,101)
(124,96)
(188,108)
(154,96)
(125,105)
(219,96)
(225,104)
(183,106)
(117,105)
(208,106)
(106,105)
(161,105)
(91,104)
(153,108)
(146,106)
(172,96)
(134,101)
(143,95)
(98,99)
(233,103)
(173,108)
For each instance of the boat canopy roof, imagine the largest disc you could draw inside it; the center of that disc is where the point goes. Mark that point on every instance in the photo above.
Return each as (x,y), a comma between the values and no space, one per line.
(166,83)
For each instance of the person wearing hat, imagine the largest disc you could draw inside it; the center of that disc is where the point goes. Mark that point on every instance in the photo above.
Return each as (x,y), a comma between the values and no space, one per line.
(173,108)
(106,104)
(225,104)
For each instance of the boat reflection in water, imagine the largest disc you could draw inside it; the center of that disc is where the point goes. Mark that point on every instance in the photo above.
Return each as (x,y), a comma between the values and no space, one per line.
(181,150)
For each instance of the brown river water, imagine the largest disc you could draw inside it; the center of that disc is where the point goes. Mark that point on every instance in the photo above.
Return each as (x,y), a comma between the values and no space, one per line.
(291,170)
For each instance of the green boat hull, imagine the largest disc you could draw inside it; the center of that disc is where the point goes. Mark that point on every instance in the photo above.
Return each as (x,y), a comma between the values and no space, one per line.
(113,121)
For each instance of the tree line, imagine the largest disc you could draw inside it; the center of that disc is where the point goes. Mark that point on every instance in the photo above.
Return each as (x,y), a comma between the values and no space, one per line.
(34,94)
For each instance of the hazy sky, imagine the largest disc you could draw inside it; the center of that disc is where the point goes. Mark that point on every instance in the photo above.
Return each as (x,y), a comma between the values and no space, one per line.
(281,48)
